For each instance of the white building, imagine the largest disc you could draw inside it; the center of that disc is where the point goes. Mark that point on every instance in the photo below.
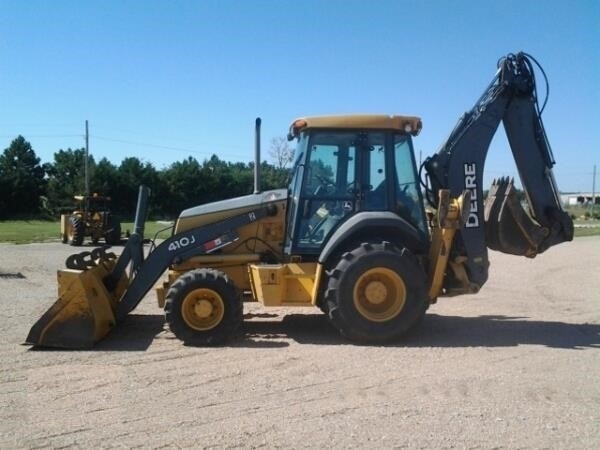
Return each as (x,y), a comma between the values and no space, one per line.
(579,198)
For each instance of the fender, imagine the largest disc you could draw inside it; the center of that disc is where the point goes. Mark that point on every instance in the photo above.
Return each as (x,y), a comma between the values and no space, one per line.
(385,222)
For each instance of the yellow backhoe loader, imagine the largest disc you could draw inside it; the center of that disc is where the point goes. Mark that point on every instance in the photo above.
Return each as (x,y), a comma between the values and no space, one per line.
(350,234)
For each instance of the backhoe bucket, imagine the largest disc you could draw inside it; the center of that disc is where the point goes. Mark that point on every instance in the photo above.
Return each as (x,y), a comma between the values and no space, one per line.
(509,229)
(84,312)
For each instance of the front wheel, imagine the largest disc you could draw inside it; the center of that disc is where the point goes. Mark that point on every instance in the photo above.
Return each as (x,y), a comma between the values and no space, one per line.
(202,307)
(376,293)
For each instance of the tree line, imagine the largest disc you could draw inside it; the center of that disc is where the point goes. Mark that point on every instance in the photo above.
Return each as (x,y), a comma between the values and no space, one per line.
(30,189)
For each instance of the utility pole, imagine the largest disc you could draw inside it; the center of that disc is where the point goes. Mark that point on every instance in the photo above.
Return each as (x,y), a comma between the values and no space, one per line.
(594,189)
(85,164)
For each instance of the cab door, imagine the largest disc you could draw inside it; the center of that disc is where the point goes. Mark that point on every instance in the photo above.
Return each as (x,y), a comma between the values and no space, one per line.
(328,192)
(374,191)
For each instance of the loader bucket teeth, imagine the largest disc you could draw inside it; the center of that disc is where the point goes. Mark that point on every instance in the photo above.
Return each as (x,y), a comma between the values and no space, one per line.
(508,228)
(84,311)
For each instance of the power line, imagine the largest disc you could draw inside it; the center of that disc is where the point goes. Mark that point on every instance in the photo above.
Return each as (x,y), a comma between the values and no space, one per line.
(156,137)
(594,188)
(42,125)
(43,135)
(163,147)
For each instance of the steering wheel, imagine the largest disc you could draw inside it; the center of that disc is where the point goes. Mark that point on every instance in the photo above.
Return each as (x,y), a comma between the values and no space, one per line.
(327,186)
(352,187)
(324,180)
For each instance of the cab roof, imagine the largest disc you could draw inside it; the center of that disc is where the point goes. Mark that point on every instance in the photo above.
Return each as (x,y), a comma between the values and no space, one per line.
(404,124)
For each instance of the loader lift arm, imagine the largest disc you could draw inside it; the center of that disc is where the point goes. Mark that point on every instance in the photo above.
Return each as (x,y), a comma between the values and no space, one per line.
(500,223)
(179,247)
(97,291)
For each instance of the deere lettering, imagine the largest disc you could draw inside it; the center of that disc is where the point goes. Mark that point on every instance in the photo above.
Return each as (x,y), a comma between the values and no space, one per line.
(471,185)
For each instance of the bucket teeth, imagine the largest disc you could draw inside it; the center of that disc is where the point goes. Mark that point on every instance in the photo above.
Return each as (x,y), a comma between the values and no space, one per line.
(509,228)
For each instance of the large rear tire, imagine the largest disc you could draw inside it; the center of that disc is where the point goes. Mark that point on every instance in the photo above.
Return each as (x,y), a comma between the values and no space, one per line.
(113,234)
(203,307)
(376,293)
(76,231)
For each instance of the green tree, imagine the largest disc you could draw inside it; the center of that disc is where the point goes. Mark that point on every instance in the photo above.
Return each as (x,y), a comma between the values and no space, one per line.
(217,180)
(21,180)
(273,177)
(4,189)
(182,182)
(131,174)
(243,174)
(105,176)
(66,177)
(189,183)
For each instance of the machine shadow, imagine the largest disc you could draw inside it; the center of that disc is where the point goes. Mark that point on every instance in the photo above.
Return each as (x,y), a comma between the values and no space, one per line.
(138,331)
(302,328)
(439,331)
(135,333)
(502,331)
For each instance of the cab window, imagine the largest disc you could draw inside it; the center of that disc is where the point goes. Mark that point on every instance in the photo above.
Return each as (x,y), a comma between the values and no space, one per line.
(408,195)
(327,194)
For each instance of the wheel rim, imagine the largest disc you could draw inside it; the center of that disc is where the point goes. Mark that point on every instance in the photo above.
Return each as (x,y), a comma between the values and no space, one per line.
(202,309)
(379,294)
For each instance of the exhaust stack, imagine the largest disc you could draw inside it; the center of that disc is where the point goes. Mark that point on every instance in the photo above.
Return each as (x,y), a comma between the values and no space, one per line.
(257,156)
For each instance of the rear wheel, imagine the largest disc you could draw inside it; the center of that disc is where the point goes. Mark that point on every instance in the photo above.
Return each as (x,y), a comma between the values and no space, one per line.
(376,293)
(76,231)
(113,234)
(202,307)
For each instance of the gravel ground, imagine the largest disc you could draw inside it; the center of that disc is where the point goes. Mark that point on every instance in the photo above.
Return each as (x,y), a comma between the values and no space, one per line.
(515,366)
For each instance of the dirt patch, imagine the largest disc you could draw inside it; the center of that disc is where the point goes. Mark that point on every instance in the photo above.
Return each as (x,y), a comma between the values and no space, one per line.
(513,366)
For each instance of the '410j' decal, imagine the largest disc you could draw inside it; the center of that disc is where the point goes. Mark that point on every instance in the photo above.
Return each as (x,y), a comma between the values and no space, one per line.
(181,242)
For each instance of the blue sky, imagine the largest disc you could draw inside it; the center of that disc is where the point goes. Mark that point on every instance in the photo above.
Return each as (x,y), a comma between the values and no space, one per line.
(164,80)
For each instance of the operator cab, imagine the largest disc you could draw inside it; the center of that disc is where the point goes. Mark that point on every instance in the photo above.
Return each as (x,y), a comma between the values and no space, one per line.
(346,165)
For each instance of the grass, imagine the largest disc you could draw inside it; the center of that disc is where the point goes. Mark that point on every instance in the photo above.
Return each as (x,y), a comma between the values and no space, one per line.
(27,231)
(587,228)
(584,212)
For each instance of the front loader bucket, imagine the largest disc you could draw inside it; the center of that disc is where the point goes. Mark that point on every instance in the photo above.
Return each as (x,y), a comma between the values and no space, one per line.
(84,311)
(509,229)
(92,290)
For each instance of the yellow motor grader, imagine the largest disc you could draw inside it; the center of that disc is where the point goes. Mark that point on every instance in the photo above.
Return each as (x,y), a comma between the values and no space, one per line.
(349,235)
(91,218)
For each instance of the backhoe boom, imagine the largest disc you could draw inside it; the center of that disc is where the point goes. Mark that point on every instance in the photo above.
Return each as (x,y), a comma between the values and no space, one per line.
(500,223)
